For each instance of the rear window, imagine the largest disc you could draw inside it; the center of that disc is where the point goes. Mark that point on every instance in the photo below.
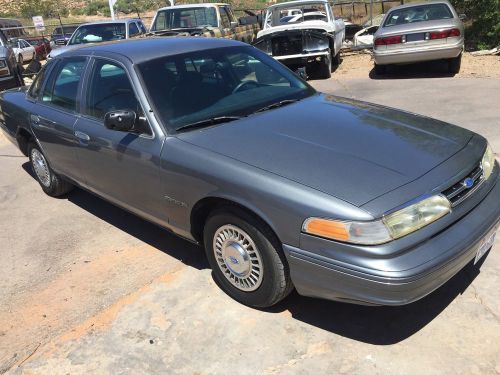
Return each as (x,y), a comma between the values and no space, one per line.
(421,13)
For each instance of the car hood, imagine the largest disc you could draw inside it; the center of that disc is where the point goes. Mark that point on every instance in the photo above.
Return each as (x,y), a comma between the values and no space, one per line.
(352,150)
(56,51)
(320,25)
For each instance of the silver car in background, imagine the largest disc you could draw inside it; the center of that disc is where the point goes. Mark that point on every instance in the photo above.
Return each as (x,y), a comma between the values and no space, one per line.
(419,32)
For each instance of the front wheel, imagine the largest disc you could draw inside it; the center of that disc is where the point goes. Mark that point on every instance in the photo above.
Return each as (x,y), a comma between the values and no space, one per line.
(246,258)
(336,60)
(20,59)
(51,183)
(325,68)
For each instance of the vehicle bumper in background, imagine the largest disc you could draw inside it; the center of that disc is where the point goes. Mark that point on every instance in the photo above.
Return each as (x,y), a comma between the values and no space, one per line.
(318,276)
(407,56)
(301,57)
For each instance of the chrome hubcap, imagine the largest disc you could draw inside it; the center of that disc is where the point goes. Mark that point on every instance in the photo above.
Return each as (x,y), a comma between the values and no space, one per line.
(40,167)
(238,258)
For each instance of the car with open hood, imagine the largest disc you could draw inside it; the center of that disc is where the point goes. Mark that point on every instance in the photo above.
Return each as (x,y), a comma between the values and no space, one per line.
(285,187)
(310,40)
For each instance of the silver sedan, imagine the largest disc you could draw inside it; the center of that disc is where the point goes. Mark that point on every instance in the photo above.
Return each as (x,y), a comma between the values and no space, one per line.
(420,32)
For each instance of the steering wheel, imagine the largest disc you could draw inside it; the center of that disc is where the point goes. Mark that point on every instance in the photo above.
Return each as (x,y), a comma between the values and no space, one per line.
(243,84)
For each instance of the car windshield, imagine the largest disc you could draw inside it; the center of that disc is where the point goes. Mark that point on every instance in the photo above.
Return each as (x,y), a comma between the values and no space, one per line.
(228,82)
(97,33)
(67,30)
(34,42)
(184,18)
(420,13)
(288,15)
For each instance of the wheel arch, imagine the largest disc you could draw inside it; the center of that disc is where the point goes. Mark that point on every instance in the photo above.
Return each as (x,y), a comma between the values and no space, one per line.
(205,206)
(24,138)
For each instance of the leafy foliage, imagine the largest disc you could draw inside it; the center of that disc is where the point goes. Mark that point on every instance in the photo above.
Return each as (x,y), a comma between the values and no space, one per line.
(45,8)
(135,6)
(484,32)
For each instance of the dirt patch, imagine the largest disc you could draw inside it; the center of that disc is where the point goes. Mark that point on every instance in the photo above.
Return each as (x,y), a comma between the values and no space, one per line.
(360,65)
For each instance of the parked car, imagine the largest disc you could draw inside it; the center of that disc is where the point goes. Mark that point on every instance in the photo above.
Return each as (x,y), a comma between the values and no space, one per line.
(62,34)
(23,50)
(10,76)
(311,40)
(41,45)
(206,19)
(284,186)
(102,31)
(420,32)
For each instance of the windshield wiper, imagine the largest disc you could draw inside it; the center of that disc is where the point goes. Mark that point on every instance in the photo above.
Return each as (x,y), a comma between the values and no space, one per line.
(208,122)
(277,105)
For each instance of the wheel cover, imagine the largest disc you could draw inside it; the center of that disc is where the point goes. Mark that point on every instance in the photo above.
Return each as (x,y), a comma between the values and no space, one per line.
(40,167)
(238,258)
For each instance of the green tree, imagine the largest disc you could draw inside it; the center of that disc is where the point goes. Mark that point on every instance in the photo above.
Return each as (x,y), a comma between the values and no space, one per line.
(484,32)
(45,8)
(135,6)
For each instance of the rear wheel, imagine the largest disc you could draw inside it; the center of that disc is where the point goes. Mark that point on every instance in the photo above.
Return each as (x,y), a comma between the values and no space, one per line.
(455,64)
(380,69)
(246,258)
(51,183)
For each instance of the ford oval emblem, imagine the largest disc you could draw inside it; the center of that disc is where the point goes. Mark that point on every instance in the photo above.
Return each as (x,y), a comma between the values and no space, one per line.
(468,183)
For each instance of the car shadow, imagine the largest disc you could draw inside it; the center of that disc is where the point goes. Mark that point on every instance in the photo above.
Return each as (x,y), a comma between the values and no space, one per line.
(377,325)
(429,69)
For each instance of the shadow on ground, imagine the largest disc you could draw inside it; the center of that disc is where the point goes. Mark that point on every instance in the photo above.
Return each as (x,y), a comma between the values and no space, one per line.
(430,69)
(376,325)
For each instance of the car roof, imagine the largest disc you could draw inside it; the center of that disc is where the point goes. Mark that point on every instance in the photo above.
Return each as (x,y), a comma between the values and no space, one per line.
(144,49)
(410,5)
(202,5)
(289,4)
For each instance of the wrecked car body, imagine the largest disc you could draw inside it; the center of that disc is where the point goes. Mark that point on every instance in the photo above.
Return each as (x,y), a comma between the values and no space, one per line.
(310,41)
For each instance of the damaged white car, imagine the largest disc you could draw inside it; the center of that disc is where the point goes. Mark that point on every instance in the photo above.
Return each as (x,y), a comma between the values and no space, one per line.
(308,42)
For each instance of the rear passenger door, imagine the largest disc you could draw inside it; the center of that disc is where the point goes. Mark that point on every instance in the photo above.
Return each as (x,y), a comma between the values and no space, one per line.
(120,166)
(56,112)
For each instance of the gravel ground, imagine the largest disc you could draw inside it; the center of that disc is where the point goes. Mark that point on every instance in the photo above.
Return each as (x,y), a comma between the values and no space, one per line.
(360,64)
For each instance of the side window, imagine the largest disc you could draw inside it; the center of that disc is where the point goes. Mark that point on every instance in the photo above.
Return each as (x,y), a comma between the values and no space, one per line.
(110,90)
(37,84)
(224,18)
(62,89)
(230,14)
(132,29)
(142,27)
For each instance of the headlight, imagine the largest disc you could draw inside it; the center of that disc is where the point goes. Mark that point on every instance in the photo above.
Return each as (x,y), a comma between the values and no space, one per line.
(3,64)
(416,216)
(392,226)
(488,162)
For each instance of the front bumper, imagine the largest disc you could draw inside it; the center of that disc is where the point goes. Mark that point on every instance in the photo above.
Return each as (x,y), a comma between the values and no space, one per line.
(417,54)
(323,277)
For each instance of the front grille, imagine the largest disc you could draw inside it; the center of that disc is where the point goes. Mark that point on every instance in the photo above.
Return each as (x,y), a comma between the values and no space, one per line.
(465,187)
(287,45)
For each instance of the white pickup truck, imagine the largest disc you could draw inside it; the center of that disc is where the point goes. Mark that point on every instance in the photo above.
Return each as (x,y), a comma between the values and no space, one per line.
(303,34)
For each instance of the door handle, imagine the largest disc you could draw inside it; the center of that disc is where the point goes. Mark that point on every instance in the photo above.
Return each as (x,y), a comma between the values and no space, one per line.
(82,136)
(35,119)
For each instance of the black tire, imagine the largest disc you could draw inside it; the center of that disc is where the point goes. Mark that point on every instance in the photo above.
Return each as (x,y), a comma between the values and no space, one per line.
(455,64)
(325,68)
(380,69)
(55,186)
(20,59)
(336,60)
(275,282)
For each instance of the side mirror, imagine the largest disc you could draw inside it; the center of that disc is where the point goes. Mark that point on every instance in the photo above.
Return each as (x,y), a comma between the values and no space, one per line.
(123,121)
(462,16)
(234,24)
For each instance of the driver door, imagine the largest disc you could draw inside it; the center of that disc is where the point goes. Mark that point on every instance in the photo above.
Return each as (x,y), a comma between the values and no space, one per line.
(121,166)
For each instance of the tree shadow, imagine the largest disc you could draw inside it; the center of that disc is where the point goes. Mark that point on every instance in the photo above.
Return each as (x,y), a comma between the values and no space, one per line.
(428,69)
(377,325)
